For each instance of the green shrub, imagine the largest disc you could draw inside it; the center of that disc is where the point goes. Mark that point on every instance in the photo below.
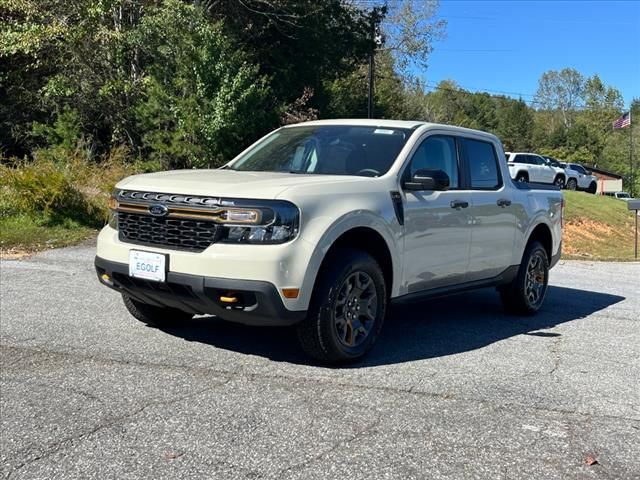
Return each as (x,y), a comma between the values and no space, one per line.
(56,189)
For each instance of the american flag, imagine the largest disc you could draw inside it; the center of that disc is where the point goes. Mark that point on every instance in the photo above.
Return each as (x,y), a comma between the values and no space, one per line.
(623,121)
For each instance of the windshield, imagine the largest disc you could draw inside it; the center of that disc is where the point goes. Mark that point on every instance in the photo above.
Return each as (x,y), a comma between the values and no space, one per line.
(326,149)
(624,195)
(553,162)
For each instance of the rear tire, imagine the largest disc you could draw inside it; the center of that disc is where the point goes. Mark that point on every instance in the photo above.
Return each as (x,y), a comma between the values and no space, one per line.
(525,294)
(347,309)
(572,184)
(155,316)
(522,177)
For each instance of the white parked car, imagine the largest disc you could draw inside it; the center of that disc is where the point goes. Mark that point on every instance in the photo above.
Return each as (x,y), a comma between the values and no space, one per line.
(624,196)
(322,224)
(584,180)
(531,167)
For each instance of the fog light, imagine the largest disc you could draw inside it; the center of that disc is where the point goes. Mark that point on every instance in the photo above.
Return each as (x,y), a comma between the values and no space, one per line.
(105,278)
(229,299)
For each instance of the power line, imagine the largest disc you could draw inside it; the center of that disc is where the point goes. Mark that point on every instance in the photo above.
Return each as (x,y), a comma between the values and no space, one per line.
(480,91)
(469,92)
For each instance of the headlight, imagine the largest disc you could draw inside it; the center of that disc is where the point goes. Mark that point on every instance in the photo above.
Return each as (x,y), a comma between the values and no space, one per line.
(275,222)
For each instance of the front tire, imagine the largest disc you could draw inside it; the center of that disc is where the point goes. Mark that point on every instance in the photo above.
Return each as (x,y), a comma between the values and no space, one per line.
(155,316)
(347,309)
(525,294)
(593,188)
(559,182)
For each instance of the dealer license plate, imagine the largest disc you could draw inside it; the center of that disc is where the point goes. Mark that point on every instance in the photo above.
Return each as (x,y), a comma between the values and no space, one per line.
(147,265)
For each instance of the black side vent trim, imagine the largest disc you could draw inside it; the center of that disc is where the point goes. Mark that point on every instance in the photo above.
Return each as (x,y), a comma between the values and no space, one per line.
(398,207)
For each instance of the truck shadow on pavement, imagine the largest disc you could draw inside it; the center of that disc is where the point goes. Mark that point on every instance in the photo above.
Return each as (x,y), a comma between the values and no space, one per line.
(416,331)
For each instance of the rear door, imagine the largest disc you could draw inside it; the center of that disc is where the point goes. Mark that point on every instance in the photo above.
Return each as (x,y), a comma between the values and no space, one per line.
(528,165)
(437,223)
(547,172)
(493,215)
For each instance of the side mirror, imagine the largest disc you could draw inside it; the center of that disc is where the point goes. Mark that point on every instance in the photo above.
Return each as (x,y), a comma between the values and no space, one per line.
(428,180)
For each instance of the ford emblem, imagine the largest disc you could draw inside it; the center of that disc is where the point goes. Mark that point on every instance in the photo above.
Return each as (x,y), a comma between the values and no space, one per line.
(158,210)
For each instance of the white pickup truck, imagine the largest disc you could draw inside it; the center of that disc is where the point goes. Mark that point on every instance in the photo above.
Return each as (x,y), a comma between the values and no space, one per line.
(322,224)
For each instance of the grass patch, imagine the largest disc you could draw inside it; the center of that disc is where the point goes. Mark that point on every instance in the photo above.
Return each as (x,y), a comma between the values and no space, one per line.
(57,198)
(597,228)
(27,233)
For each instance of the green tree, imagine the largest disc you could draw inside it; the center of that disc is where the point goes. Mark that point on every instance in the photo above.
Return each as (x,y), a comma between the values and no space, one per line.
(602,105)
(515,125)
(199,96)
(298,45)
(348,94)
(561,91)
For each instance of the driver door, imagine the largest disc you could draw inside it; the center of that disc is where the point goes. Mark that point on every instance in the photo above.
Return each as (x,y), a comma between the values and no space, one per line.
(437,230)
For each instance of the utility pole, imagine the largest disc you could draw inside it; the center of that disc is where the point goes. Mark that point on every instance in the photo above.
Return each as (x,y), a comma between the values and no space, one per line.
(376,40)
(371,69)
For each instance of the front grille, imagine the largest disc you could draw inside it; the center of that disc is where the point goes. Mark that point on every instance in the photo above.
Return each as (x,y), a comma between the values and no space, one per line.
(166,232)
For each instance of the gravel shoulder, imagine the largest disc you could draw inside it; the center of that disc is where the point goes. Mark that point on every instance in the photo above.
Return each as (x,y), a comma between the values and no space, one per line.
(454,388)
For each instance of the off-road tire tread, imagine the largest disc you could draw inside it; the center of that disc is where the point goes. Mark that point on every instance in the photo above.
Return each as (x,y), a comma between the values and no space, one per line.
(313,331)
(512,295)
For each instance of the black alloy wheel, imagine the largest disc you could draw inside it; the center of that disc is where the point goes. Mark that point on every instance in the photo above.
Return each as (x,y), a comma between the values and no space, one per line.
(347,308)
(526,293)
(355,309)
(536,279)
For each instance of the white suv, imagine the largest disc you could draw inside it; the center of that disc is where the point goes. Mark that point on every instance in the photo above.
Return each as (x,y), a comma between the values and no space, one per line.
(321,224)
(581,179)
(530,167)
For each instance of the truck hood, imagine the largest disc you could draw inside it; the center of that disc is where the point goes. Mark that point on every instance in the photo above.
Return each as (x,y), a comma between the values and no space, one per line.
(227,183)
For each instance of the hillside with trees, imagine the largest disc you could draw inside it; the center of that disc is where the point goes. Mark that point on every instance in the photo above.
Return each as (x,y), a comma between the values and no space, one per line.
(92,90)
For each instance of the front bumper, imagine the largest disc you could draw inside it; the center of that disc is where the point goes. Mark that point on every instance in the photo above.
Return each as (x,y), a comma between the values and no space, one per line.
(260,303)
(289,265)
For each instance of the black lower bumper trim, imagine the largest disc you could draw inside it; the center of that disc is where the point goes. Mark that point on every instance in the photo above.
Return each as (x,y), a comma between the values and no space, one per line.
(258,302)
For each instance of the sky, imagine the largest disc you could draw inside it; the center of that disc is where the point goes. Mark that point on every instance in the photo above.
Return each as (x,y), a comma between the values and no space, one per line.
(505,46)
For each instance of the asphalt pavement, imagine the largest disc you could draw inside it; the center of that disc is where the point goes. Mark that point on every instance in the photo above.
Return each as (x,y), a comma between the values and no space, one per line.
(454,389)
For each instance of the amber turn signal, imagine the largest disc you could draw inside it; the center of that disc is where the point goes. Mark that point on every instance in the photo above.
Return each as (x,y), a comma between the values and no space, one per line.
(290,292)
(113,203)
(229,299)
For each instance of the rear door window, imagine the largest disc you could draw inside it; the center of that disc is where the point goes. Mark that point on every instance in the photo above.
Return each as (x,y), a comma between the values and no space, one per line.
(484,169)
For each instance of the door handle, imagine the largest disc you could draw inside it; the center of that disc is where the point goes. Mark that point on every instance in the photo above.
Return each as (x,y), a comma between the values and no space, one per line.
(504,202)
(458,204)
